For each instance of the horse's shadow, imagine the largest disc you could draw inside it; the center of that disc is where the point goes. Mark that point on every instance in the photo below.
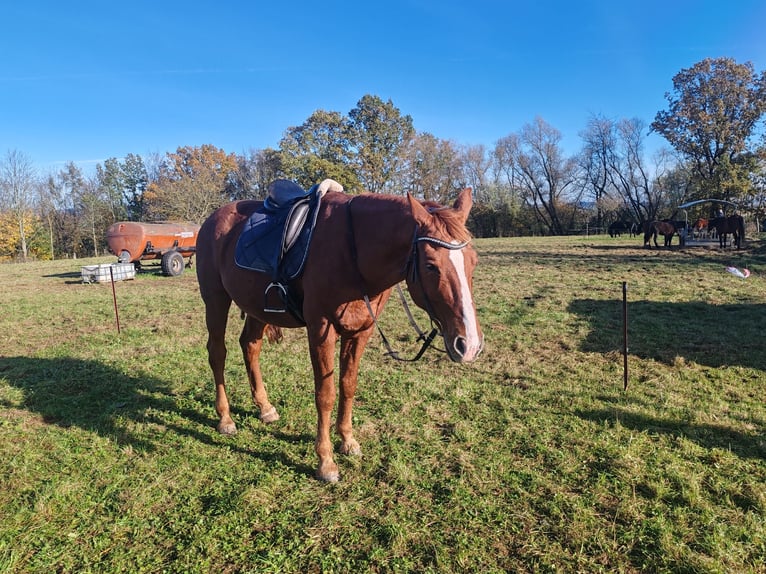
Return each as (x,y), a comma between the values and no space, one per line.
(69,392)
(712,335)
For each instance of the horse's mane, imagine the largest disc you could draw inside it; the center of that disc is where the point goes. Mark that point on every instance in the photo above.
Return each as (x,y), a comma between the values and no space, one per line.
(449,221)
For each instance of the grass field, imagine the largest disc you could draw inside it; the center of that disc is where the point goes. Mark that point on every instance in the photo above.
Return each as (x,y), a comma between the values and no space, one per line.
(533,459)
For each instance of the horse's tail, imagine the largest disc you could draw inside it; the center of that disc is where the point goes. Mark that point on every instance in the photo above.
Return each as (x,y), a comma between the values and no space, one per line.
(273,333)
(649,231)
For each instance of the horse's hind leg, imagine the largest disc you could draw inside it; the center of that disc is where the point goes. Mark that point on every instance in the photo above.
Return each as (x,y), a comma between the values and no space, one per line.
(216,317)
(251,341)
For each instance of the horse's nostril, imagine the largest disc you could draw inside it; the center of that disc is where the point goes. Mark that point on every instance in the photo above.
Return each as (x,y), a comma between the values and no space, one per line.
(459,346)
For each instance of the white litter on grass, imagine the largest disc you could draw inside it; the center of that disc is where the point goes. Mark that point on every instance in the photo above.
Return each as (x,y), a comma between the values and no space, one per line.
(744,274)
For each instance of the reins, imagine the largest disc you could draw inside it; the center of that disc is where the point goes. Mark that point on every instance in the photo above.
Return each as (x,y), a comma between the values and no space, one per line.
(412,264)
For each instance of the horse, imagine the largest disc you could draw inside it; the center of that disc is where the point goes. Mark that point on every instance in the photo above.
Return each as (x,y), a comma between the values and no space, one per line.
(361,247)
(699,228)
(734,224)
(666,228)
(617,228)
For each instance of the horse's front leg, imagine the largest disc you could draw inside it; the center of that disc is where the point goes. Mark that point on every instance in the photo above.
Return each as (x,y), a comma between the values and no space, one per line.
(251,342)
(322,339)
(351,350)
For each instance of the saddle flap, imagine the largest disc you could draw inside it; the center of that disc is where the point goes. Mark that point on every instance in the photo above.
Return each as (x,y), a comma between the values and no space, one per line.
(296,219)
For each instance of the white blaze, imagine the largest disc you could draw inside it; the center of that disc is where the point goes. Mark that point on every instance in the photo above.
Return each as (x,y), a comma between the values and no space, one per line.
(473,341)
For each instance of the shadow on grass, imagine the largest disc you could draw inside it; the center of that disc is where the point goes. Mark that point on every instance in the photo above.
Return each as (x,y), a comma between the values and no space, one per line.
(66,275)
(712,335)
(705,435)
(70,392)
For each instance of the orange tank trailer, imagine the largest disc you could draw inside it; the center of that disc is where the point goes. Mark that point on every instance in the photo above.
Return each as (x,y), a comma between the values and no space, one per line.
(132,241)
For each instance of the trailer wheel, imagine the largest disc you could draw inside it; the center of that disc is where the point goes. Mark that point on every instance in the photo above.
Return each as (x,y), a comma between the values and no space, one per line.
(172,263)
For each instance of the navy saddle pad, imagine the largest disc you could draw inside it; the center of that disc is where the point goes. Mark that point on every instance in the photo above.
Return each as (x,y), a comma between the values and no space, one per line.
(276,238)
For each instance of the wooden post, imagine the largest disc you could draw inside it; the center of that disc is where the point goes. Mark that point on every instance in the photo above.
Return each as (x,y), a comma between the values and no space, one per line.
(625,335)
(114,298)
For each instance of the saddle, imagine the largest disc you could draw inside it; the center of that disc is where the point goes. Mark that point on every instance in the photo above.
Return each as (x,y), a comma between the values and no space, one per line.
(276,239)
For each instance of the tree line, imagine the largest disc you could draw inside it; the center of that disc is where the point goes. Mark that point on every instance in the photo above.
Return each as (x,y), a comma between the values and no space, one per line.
(526,184)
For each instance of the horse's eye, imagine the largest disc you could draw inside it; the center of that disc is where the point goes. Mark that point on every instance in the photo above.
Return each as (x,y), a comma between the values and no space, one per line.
(431,267)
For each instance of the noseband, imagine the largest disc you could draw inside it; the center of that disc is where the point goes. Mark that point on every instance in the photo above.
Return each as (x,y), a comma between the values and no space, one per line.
(410,269)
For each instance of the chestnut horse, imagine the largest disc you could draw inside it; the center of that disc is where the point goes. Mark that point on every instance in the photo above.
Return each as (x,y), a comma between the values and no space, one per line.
(666,228)
(699,228)
(361,247)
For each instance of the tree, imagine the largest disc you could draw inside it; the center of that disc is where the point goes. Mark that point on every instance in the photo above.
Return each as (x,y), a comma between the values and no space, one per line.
(255,171)
(546,177)
(634,182)
(192,183)
(47,206)
(377,132)
(123,185)
(318,149)
(94,209)
(599,139)
(432,169)
(713,112)
(135,180)
(476,167)
(70,186)
(110,181)
(17,178)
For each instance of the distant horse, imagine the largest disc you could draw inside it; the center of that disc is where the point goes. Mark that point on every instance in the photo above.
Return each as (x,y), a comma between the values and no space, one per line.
(699,228)
(617,228)
(666,228)
(361,247)
(734,224)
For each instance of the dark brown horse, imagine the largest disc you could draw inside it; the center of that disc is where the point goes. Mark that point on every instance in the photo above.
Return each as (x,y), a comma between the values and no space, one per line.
(666,228)
(361,246)
(734,224)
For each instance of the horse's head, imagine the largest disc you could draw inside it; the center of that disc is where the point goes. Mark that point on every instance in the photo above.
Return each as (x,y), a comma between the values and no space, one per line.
(440,275)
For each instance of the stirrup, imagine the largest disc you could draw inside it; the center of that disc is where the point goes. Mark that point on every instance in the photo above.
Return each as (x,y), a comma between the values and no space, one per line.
(282,295)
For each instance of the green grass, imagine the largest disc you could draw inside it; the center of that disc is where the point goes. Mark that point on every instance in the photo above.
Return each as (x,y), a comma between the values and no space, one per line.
(533,459)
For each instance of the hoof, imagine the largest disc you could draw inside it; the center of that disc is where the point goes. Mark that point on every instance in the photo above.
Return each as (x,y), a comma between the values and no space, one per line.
(270,416)
(329,476)
(351,448)
(329,473)
(228,429)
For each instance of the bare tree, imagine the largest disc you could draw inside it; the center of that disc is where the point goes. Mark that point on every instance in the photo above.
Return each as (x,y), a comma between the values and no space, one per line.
(17,180)
(476,167)
(629,173)
(47,205)
(504,168)
(546,176)
(599,139)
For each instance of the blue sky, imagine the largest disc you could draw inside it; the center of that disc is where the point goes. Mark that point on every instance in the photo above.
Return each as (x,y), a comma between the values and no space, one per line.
(85,81)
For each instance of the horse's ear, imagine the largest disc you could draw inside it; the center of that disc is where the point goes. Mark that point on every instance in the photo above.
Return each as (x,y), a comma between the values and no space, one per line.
(464,202)
(419,212)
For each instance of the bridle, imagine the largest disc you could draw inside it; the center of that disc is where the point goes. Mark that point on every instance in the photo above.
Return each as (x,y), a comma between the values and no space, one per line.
(411,270)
